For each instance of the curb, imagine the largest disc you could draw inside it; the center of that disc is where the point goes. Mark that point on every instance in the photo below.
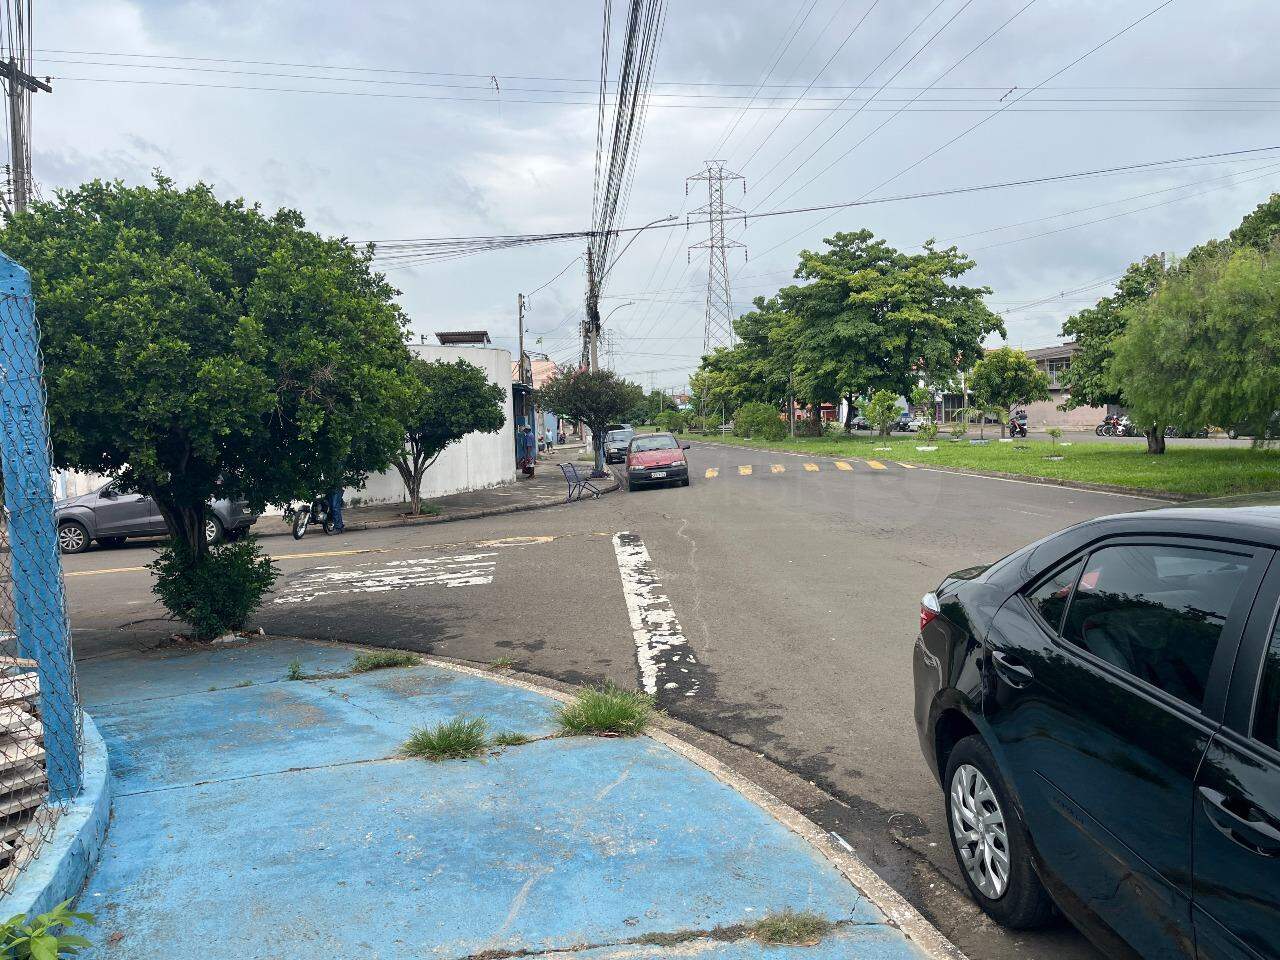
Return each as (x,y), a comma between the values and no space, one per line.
(1141,493)
(67,857)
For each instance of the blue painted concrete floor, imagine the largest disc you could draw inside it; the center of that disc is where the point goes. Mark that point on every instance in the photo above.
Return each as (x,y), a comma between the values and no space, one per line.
(257,817)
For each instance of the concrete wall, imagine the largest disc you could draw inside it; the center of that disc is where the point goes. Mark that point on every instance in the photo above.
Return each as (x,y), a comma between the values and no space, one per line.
(476,461)
(1046,414)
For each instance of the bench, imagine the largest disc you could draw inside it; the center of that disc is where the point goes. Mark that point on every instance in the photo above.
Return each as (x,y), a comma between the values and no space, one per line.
(580,482)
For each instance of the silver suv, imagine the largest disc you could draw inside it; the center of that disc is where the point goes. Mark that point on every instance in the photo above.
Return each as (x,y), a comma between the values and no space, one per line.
(110,516)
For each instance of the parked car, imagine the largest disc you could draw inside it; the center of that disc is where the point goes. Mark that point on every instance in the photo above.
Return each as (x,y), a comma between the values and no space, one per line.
(1270,432)
(1103,704)
(616,443)
(903,423)
(657,458)
(110,516)
(860,423)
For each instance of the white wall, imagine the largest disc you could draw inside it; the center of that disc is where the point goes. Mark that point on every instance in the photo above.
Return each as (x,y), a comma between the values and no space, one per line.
(476,461)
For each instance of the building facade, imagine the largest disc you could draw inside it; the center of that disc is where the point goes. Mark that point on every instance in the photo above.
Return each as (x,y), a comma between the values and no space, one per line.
(1054,361)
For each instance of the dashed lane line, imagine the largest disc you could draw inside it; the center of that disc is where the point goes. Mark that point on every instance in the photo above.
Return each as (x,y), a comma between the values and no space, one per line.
(811,467)
(744,470)
(712,473)
(909,466)
(843,465)
(876,465)
(777,468)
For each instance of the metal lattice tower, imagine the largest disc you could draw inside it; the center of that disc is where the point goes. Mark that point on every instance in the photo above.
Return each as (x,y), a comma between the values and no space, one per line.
(718,330)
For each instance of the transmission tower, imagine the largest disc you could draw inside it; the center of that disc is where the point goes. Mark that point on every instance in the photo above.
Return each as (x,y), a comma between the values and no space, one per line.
(718,329)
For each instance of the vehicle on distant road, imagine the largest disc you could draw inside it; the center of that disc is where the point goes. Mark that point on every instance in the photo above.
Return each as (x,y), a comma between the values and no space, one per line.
(1271,432)
(1018,423)
(904,423)
(110,516)
(657,458)
(616,442)
(1102,704)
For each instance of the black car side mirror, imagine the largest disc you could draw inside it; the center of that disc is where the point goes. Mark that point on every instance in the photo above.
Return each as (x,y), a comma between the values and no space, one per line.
(684,444)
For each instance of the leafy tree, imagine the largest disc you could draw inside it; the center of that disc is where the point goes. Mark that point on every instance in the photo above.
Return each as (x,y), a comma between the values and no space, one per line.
(1007,378)
(881,410)
(197,349)
(1203,349)
(446,401)
(757,419)
(922,402)
(595,398)
(1260,228)
(670,420)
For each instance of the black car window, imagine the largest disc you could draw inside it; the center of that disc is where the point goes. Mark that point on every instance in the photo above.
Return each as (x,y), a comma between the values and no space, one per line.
(1156,612)
(1266,715)
(1050,598)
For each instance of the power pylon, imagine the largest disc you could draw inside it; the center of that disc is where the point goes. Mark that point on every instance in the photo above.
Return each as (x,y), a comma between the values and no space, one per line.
(718,329)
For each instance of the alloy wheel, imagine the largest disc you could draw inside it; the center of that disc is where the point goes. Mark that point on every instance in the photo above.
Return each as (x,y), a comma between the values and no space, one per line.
(210,531)
(71,538)
(977,824)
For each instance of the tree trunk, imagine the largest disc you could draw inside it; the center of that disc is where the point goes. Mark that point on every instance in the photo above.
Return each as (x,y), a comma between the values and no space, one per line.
(410,476)
(186,525)
(1155,439)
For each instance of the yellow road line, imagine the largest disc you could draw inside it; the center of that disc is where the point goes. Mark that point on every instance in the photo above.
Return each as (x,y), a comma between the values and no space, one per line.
(777,468)
(875,465)
(712,473)
(909,466)
(843,465)
(745,470)
(811,467)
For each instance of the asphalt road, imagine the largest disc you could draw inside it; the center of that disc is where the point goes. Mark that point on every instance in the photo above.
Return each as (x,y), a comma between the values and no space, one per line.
(796,588)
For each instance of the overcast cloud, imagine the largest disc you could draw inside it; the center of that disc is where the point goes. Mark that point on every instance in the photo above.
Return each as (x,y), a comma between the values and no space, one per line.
(402,164)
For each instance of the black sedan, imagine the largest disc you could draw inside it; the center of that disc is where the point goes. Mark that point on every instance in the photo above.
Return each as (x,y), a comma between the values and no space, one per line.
(1102,710)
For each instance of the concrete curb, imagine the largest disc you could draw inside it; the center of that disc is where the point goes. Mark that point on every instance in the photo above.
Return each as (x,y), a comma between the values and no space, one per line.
(1141,493)
(67,858)
(899,913)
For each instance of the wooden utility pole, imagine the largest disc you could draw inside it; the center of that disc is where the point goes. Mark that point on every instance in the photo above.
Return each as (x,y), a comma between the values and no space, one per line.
(19,85)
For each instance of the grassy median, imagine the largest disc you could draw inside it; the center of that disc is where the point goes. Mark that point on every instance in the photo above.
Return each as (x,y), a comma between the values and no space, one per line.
(1191,471)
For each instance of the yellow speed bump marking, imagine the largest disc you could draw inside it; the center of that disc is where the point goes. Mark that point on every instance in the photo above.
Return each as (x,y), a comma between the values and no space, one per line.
(909,466)
(875,465)
(843,465)
(712,473)
(811,467)
(777,468)
(744,470)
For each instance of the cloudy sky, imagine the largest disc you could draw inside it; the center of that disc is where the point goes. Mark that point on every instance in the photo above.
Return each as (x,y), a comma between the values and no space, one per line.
(381,121)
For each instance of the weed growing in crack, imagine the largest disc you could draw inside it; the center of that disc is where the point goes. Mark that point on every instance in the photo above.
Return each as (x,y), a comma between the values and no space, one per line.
(510,738)
(383,660)
(455,739)
(295,671)
(606,710)
(503,663)
(802,928)
(245,683)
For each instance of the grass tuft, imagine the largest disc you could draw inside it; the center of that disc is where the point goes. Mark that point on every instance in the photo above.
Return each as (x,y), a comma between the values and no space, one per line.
(510,738)
(295,671)
(606,710)
(245,683)
(503,663)
(382,660)
(795,928)
(455,739)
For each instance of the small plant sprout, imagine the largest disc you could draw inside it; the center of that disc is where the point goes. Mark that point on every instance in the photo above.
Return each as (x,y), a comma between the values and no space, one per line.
(383,660)
(45,937)
(510,738)
(503,663)
(606,710)
(295,670)
(1055,434)
(794,928)
(457,739)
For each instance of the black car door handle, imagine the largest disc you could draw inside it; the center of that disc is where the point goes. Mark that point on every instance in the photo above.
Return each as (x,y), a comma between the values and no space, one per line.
(1251,828)
(1011,669)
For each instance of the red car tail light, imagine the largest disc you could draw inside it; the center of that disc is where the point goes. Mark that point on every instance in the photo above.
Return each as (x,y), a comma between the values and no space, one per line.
(929,609)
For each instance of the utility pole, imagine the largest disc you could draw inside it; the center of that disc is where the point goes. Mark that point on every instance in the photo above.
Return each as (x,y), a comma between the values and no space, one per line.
(717,329)
(591,329)
(19,85)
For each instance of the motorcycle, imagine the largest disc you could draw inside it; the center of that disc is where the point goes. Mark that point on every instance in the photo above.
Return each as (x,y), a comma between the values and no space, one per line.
(1018,424)
(301,517)
(1115,426)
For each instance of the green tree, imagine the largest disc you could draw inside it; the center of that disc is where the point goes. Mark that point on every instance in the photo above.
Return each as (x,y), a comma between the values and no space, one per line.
(756,419)
(1007,378)
(446,401)
(197,349)
(594,398)
(1203,348)
(881,410)
(671,420)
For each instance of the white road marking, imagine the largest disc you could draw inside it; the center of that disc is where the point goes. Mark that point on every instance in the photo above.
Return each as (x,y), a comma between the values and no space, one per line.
(667,664)
(460,570)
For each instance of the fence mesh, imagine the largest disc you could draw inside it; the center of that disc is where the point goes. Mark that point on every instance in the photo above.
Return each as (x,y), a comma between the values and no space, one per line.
(40,723)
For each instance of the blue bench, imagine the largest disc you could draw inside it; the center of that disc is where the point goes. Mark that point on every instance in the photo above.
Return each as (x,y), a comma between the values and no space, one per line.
(580,482)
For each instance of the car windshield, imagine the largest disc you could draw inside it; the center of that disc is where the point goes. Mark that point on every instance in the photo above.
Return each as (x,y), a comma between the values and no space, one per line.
(643,444)
(618,435)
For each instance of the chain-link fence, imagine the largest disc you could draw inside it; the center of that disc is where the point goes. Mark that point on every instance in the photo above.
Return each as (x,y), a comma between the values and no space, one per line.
(40,746)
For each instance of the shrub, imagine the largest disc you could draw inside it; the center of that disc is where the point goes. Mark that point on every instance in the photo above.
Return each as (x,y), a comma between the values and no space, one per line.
(607,709)
(382,660)
(215,593)
(759,420)
(511,738)
(23,939)
(1055,434)
(803,928)
(455,739)
(881,410)
(671,421)
(928,432)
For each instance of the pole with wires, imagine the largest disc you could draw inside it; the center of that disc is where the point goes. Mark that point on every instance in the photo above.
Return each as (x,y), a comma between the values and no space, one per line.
(19,85)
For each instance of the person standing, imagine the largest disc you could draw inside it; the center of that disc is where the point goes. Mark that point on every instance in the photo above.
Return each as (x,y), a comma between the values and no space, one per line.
(335,509)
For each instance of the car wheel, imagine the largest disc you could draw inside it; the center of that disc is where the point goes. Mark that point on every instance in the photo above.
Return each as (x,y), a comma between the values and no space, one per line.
(990,841)
(73,537)
(1233,434)
(111,541)
(213,531)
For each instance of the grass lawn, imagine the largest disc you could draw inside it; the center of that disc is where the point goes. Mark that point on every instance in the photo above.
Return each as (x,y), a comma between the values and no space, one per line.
(1193,471)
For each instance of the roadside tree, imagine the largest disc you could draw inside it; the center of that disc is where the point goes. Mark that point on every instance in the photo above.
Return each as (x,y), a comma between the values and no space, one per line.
(445,402)
(1007,378)
(759,420)
(881,410)
(595,398)
(672,421)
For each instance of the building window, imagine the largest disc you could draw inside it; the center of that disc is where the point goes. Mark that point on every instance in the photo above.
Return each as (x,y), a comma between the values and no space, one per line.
(1055,367)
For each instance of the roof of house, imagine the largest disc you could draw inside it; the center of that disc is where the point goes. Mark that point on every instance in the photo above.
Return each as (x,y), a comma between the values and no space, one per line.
(1062,350)
(450,338)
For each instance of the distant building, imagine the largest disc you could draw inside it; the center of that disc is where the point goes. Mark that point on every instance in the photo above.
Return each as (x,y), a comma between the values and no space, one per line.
(463,338)
(1045,413)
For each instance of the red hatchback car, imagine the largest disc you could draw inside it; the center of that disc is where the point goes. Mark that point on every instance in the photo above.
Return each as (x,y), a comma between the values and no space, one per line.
(656,458)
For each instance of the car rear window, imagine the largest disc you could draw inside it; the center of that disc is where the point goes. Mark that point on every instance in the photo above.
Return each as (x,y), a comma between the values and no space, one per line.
(1156,612)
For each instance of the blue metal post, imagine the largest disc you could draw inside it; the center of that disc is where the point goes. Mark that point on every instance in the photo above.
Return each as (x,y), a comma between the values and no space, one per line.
(40,613)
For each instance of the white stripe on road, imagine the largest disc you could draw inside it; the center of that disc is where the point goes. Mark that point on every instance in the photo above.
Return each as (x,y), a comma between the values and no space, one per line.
(461,570)
(667,664)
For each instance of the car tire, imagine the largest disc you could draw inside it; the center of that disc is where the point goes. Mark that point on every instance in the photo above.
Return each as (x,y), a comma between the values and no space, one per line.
(213,530)
(974,787)
(73,537)
(1233,434)
(111,541)
(684,482)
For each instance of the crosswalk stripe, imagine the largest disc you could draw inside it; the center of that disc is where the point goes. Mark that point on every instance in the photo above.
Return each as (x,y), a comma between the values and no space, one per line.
(744,470)
(777,468)
(875,465)
(712,473)
(811,467)
(843,465)
(907,465)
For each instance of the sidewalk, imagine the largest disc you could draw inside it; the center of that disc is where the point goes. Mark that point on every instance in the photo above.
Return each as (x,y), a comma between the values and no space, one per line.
(546,489)
(259,817)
